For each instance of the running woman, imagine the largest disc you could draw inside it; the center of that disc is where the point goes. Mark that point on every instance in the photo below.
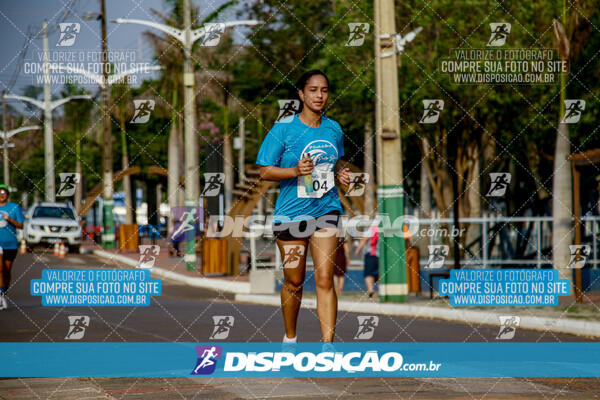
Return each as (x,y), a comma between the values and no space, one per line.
(11,219)
(302,152)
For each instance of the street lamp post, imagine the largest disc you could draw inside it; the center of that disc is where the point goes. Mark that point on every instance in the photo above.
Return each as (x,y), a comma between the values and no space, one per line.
(187,37)
(105,81)
(5,135)
(48,106)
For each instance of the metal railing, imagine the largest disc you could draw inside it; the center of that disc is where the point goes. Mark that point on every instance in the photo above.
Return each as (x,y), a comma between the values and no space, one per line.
(492,240)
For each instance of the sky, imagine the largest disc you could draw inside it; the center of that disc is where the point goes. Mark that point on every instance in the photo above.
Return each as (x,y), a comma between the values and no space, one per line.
(124,40)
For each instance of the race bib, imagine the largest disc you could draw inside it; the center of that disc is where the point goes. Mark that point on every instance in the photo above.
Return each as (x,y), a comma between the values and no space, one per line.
(315,185)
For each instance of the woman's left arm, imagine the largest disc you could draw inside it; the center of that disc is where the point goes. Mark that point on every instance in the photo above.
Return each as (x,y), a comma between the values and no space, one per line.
(342,174)
(18,225)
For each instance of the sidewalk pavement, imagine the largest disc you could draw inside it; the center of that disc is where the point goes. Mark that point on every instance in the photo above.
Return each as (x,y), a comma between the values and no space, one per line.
(583,320)
(173,268)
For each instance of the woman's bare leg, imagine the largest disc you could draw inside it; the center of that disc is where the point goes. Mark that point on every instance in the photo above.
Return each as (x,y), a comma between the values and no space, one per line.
(323,245)
(291,291)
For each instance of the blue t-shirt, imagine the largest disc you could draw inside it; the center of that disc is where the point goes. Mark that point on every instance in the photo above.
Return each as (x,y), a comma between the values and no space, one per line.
(8,232)
(284,146)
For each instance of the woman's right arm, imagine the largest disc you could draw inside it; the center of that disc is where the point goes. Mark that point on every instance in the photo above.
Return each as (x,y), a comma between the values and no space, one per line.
(273,173)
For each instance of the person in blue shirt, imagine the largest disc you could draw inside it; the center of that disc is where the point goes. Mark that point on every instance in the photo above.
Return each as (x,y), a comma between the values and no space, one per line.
(11,219)
(303,153)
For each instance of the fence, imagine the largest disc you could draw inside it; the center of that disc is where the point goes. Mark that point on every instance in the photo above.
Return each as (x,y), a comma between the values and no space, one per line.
(492,240)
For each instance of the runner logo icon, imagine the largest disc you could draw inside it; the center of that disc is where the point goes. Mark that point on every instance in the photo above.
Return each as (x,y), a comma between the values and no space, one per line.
(437,255)
(579,254)
(358,183)
(287,108)
(68,33)
(148,254)
(213,183)
(77,325)
(358,31)
(573,110)
(431,111)
(68,183)
(366,326)
(212,37)
(223,324)
(292,255)
(499,184)
(500,31)
(508,326)
(143,109)
(207,359)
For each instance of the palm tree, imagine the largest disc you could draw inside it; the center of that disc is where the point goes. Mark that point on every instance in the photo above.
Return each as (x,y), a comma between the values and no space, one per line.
(170,54)
(122,97)
(77,114)
(564,36)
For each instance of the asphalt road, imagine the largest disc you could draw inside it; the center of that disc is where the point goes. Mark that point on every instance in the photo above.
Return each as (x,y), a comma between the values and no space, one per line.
(184,314)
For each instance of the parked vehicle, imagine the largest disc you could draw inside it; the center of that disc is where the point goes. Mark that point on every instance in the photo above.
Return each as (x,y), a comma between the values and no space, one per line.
(50,223)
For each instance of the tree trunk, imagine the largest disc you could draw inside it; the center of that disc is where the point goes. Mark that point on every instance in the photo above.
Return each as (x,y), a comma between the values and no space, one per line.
(78,188)
(126,178)
(474,200)
(370,206)
(562,204)
(174,173)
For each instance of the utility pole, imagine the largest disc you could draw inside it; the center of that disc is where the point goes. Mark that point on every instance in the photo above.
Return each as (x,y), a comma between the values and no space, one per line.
(368,161)
(187,37)
(242,149)
(48,133)
(108,233)
(5,128)
(390,194)
(192,182)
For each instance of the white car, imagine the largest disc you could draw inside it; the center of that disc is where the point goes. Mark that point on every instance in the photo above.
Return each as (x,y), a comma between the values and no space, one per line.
(50,223)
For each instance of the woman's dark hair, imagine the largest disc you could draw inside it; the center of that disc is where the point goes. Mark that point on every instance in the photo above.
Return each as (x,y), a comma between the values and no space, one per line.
(301,83)
(307,75)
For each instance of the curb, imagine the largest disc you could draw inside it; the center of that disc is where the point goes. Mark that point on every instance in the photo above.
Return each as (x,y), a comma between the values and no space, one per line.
(206,283)
(562,325)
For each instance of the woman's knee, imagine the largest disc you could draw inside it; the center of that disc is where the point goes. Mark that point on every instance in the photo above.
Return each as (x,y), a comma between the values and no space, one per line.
(324,281)
(293,284)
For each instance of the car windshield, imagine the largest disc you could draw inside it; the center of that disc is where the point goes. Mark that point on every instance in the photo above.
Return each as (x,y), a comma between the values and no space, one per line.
(53,212)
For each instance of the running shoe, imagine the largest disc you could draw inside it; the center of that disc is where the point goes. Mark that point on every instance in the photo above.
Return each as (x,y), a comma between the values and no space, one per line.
(328,348)
(289,347)
(3,303)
